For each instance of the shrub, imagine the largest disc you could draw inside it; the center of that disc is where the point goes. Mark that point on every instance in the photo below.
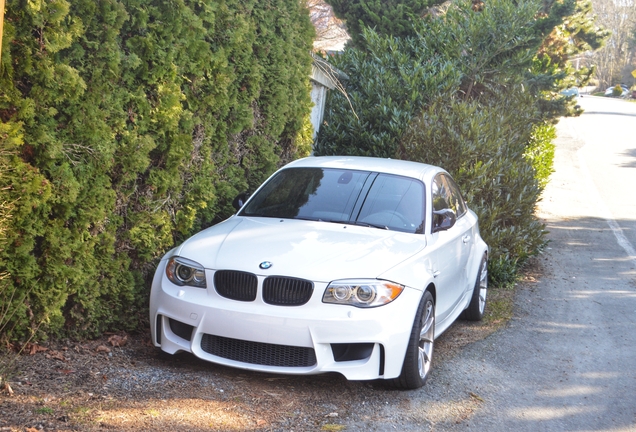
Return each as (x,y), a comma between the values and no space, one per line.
(386,17)
(456,95)
(540,152)
(484,146)
(132,125)
(392,81)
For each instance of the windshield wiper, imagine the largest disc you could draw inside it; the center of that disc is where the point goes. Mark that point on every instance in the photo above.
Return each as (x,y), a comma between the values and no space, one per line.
(358,223)
(366,224)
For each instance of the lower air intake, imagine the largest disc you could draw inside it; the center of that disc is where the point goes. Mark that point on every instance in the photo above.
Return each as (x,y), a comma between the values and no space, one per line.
(258,353)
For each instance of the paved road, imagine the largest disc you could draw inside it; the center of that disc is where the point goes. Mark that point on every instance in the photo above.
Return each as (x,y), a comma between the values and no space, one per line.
(567,362)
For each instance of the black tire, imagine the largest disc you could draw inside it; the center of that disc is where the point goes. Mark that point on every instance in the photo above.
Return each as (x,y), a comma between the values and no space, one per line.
(477,305)
(419,353)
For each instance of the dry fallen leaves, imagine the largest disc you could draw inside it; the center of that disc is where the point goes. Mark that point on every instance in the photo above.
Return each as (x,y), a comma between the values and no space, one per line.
(6,387)
(118,341)
(102,348)
(476,396)
(55,355)
(33,348)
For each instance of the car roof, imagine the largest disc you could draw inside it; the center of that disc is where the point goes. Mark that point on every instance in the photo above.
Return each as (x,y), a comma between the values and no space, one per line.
(388,166)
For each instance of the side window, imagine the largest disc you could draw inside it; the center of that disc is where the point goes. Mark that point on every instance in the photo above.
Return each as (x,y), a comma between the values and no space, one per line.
(439,194)
(446,195)
(455,197)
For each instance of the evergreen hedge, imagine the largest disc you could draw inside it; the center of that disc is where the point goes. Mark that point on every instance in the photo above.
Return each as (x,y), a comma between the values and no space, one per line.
(127,126)
(389,17)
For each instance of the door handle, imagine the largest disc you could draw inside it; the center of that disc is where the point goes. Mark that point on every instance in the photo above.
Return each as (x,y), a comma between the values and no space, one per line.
(466,238)
(436,273)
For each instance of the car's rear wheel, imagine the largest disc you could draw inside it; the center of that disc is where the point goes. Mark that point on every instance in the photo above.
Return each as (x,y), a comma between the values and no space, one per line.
(477,305)
(419,354)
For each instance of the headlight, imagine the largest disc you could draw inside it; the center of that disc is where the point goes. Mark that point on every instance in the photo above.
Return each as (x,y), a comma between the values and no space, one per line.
(362,293)
(182,271)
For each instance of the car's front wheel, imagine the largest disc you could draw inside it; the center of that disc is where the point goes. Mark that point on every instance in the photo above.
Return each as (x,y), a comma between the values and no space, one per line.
(419,354)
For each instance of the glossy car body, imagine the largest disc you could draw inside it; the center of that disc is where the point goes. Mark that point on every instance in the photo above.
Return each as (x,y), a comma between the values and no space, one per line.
(572,91)
(325,269)
(610,91)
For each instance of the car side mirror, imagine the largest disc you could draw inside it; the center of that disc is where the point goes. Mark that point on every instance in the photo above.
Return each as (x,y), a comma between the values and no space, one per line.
(240,200)
(443,219)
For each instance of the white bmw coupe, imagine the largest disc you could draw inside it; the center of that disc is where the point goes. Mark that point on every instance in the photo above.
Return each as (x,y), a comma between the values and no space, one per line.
(335,264)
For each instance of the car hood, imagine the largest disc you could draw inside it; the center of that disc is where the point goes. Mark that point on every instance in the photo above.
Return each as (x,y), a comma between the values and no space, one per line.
(318,251)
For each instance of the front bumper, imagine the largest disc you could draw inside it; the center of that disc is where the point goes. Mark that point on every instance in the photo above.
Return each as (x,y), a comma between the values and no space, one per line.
(361,344)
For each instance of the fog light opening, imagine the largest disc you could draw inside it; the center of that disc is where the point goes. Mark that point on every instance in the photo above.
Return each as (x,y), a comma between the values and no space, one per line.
(351,352)
(184,331)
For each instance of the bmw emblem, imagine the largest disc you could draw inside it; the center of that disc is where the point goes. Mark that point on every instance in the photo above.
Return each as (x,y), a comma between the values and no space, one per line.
(265,265)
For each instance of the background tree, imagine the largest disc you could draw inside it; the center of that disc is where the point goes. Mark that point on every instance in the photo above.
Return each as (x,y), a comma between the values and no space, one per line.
(387,17)
(620,18)
(569,30)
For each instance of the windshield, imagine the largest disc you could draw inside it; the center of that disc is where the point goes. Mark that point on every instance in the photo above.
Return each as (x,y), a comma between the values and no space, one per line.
(343,196)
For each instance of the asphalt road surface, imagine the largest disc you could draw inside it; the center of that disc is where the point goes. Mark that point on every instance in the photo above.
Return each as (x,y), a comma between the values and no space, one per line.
(567,362)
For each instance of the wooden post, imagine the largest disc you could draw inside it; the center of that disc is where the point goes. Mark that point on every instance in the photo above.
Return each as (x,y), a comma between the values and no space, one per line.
(1,24)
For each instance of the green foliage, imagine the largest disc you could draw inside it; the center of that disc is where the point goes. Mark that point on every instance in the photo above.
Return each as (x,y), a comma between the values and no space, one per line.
(8,133)
(392,81)
(462,54)
(540,152)
(568,29)
(491,48)
(484,146)
(131,125)
(617,90)
(466,91)
(387,17)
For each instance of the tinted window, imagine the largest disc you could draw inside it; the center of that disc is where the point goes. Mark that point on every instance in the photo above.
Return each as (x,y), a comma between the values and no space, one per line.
(395,202)
(456,200)
(439,194)
(308,193)
(333,195)
(446,195)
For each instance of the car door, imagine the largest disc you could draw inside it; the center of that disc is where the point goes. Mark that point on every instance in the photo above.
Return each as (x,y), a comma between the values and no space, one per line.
(452,246)
(466,225)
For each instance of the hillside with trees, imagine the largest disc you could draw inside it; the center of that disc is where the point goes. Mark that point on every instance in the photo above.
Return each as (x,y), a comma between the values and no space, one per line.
(617,59)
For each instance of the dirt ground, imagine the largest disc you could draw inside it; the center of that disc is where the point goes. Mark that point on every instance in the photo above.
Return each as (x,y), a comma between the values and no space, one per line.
(121,382)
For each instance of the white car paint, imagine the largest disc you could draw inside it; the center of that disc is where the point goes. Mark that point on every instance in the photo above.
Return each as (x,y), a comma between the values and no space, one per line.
(445,262)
